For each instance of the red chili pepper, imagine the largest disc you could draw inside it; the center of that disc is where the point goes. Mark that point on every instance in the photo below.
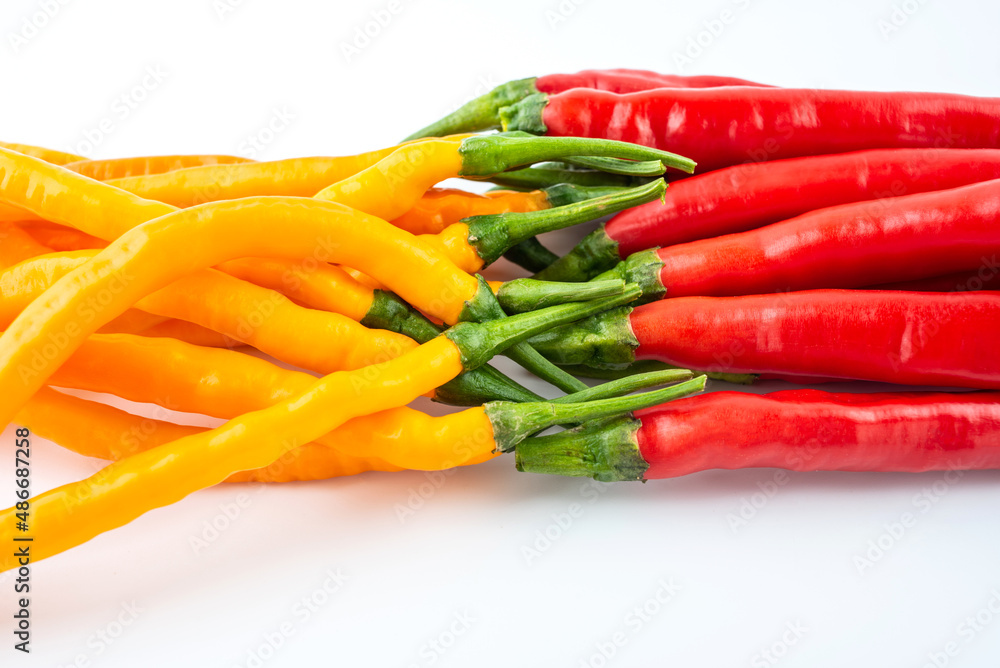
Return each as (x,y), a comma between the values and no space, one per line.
(483,113)
(847,246)
(746,197)
(910,338)
(799,430)
(719,127)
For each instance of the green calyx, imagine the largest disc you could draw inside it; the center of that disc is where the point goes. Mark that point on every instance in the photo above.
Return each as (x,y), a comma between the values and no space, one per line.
(390,312)
(552,174)
(480,341)
(482,385)
(527,115)
(605,450)
(482,113)
(492,235)
(603,340)
(512,423)
(643,367)
(486,155)
(531,255)
(643,269)
(595,253)
(527,294)
(471,388)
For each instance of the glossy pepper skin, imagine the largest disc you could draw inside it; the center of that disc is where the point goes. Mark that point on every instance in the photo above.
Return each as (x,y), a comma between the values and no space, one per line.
(47,154)
(749,196)
(847,246)
(720,127)
(810,430)
(798,430)
(909,338)
(192,185)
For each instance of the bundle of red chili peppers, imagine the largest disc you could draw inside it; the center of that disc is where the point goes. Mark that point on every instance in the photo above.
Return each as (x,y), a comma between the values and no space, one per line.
(808,236)
(826,235)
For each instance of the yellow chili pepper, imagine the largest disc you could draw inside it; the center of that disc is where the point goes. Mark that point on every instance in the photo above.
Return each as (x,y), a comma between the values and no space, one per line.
(256,316)
(97,430)
(120,168)
(227,384)
(60,196)
(393,185)
(295,177)
(316,284)
(46,154)
(24,282)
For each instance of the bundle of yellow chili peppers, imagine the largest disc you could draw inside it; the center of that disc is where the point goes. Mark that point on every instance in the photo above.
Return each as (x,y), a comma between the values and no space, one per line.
(145,278)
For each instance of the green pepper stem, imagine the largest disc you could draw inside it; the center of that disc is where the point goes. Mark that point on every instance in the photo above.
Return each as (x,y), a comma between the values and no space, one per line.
(527,294)
(536,363)
(562,194)
(531,255)
(482,113)
(479,386)
(626,385)
(547,174)
(479,341)
(605,450)
(642,367)
(595,253)
(492,154)
(652,168)
(512,423)
(492,235)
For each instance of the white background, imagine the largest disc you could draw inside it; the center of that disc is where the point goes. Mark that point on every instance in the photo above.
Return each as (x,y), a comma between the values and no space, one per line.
(225,76)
